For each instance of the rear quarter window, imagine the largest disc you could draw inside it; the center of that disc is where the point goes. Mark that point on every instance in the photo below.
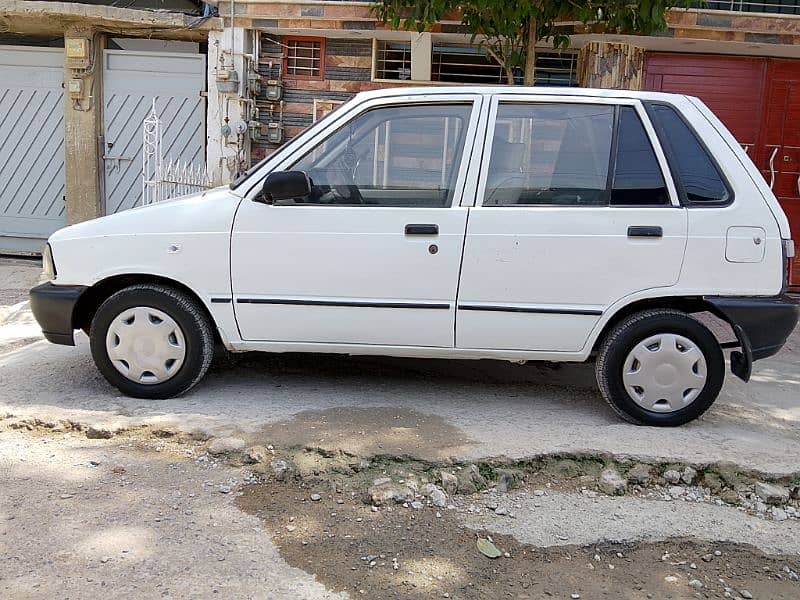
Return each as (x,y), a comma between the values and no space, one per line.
(699,180)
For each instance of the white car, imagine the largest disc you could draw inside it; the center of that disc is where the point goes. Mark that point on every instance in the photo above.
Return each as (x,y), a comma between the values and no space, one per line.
(474,222)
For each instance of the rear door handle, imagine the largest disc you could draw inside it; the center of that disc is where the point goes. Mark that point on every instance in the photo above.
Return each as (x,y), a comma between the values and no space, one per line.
(422,229)
(649,231)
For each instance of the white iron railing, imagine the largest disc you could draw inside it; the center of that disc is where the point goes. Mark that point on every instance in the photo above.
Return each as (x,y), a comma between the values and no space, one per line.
(163,179)
(781,7)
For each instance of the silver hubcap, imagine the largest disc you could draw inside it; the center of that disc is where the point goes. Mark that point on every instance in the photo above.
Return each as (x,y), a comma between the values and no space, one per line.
(146,345)
(664,373)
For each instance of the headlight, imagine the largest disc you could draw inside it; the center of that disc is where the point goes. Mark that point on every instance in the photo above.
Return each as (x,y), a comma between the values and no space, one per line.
(47,263)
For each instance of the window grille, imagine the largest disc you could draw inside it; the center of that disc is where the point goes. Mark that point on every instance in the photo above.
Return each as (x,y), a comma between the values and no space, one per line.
(304,57)
(470,64)
(393,60)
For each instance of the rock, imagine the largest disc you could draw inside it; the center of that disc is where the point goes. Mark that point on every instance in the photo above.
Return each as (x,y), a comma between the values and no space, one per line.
(688,475)
(281,469)
(381,480)
(672,476)
(437,496)
(568,468)
(676,491)
(449,482)
(315,497)
(470,480)
(778,514)
(713,482)
(66,496)
(611,482)
(417,505)
(639,473)
(387,493)
(226,445)
(505,480)
(224,489)
(501,511)
(771,493)
(730,497)
(98,433)
(257,454)
(746,595)
(670,579)
(708,557)
(696,584)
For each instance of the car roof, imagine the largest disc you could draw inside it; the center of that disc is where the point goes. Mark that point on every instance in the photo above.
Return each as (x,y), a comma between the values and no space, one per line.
(436,90)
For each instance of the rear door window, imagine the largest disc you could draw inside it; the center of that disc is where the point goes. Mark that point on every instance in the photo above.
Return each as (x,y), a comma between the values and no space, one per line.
(550,154)
(638,180)
(699,180)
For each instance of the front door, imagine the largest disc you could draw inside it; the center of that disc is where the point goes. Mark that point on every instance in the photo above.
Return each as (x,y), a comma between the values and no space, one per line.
(569,219)
(372,255)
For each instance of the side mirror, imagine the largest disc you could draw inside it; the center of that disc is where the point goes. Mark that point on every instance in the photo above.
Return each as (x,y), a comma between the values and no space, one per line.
(285,185)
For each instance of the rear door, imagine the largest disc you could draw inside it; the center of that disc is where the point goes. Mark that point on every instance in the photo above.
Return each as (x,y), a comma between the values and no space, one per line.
(575,210)
(372,255)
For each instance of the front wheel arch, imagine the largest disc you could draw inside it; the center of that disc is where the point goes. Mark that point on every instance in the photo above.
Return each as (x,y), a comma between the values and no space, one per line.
(93,297)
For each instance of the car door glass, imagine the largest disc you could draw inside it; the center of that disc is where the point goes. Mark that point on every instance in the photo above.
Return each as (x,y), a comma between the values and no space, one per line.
(550,154)
(638,180)
(403,156)
(700,181)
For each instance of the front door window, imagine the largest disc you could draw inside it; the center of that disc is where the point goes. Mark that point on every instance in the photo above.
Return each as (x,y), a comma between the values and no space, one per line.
(403,156)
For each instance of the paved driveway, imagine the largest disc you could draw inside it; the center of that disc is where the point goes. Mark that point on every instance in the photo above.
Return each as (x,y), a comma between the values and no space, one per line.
(428,408)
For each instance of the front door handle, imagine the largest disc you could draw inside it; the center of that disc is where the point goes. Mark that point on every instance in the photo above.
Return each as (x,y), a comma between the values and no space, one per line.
(422,229)
(647,231)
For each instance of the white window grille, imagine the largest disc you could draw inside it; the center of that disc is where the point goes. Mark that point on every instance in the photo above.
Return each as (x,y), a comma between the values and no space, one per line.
(470,64)
(304,57)
(393,60)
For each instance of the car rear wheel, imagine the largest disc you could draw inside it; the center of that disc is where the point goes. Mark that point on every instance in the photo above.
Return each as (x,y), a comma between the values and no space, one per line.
(151,341)
(660,367)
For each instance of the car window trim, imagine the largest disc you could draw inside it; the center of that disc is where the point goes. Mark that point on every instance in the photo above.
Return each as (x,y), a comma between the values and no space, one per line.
(655,142)
(311,139)
(673,163)
(453,176)
(671,191)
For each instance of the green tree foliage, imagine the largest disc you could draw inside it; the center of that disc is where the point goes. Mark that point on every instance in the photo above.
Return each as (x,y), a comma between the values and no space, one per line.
(508,30)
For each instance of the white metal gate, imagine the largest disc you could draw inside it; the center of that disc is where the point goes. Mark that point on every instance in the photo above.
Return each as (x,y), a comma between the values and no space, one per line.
(131,80)
(31,146)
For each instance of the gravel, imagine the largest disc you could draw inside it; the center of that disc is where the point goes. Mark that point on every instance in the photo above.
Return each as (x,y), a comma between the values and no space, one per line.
(142,524)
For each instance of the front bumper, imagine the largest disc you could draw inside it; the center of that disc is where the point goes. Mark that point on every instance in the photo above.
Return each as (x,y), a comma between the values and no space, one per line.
(53,306)
(762,325)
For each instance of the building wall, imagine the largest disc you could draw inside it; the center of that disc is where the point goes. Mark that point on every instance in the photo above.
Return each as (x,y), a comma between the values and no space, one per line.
(347,71)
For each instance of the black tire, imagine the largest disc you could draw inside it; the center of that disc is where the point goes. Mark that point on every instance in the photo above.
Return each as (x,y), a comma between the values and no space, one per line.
(190,317)
(637,327)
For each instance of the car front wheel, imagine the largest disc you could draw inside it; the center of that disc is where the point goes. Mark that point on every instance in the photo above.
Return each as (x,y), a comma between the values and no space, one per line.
(660,367)
(151,341)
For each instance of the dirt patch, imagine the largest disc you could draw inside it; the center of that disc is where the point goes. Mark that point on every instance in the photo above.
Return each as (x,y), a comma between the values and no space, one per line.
(425,553)
(370,432)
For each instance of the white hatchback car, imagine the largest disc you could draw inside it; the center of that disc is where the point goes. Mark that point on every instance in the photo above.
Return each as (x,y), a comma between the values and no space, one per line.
(502,223)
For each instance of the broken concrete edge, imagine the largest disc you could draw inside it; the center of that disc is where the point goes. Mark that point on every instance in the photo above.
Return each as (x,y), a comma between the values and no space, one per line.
(635,469)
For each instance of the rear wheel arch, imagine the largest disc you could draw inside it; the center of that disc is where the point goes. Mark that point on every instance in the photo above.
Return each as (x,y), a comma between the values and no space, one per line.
(92,298)
(686,304)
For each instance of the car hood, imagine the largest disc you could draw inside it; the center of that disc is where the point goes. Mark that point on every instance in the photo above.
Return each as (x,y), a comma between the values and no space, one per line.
(209,212)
